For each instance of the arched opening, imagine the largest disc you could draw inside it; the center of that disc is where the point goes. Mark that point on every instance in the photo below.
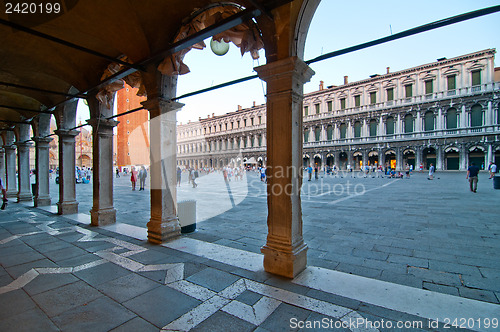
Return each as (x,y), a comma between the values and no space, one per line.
(357,159)
(477,156)
(373,128)
(409,158)
(429,157)
(373,158)
(330,160)
(317,134)
(390,159)
(306,160)
(318,161)
(343,130)
(496,157)
(451,158)
(329,132)
(306,135)
(343,160)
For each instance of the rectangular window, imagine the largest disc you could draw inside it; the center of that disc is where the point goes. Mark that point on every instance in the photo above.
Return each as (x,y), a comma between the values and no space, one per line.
(357,101)
(408,91)
(251,120)
(306,110)
(476,77)
(232,125)
(317,108)
(390,94)
(260,119)
(220,127)
(373,98)
(429,87)
(342,104)
(238,124)
(329,106)
(244,122)
(226,125)
(452,82)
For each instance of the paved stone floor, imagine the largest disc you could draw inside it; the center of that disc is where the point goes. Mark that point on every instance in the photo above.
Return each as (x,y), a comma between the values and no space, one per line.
(380,250)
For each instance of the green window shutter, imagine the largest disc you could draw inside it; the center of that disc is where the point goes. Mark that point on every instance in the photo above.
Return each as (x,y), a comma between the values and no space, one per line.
(343,130)
(373,98)
(429,121)
(476,77)
(408,90)
(451,82)
(373,128)
(306,135)
(317,134)
(306,111)
(342,104)
(451,119)
(389,126)
(317,108)
(409,124)
(357,101)
(329,133)
(357,129)
(429,87)
(390,94)
(476,116)
(330,106)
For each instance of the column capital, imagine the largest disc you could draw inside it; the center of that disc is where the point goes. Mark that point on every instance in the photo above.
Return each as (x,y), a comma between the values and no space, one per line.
(282,68)
(41,139)
(9,147)
(105,123)
(161,104)
(66,132)
(23,144)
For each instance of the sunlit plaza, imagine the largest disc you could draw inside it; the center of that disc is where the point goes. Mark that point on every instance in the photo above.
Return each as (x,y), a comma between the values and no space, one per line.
(249,165)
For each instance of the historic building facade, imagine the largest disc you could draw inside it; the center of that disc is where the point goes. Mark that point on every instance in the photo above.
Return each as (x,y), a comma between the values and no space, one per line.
(446,113)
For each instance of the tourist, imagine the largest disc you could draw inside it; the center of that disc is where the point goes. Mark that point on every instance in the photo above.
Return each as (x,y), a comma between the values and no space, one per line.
(117,172)
(431,172)
(4,194)
(179,175)
(195,176)
(493,169)
(472,175)
(263,174)
(143,174)
(133,177)
(309,172)
(316,171)
(407,170)
(421,167)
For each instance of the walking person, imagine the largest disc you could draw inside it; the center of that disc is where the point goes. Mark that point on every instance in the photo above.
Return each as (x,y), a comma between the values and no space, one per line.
(472,176)
(117,172)
(431,172)
(179,175)
(4,194)
(309,172)
(133,177)
(143,174)
(193,180)
(493,169)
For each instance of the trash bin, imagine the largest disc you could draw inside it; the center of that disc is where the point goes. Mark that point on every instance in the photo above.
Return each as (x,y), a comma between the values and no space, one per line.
(186,211)
(496,182)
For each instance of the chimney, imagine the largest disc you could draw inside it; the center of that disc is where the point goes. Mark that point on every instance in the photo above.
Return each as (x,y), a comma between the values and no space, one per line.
(240,108)
(199,118)
(208,116)
(388,70)
(321,85)
(254,103)
(213,115)
(346,79)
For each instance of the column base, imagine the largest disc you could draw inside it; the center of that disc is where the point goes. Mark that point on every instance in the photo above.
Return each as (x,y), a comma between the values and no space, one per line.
(160,231)
(102,217)
(24,197)
(67,207)
(42,201)
(285,263)
(11,193)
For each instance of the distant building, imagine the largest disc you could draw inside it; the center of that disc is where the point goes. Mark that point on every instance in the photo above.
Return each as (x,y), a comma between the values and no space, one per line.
(446,113)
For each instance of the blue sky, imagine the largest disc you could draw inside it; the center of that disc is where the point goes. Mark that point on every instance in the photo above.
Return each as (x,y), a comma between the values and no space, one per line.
(336,25)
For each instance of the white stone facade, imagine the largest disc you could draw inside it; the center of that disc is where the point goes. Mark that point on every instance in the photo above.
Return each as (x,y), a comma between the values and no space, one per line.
(446,112)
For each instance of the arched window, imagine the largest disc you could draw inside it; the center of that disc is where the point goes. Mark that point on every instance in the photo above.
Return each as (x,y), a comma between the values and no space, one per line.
(329,133)
(476,116)
(357,129)
(306,135)
(409,123)
(389,126)
(429,121)
(343,130)
(373,128)
(451,118)
(317,134)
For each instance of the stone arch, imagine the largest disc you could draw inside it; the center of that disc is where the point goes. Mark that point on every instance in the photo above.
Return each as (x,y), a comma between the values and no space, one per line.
(451,158)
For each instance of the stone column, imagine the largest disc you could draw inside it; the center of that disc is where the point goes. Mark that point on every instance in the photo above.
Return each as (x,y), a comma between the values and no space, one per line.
(10,170)
(399,158)
(67,185)
(464,157)
(102,212)
(381,159)
(23,172)
(285,252)
(336,160)
(164,223)
(439,158)
(42,196)
(350,161)
(364,157)
(490,155)
(2,166)
(418,157)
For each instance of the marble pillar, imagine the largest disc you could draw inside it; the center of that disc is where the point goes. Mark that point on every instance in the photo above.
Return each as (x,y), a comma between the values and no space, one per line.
(285,252)
(164,223)
(10,170)
(102,212)
(67,184)
(23,173)
(42,196)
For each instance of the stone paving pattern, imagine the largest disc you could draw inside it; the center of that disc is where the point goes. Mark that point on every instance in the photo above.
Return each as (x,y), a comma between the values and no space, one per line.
(435,235)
